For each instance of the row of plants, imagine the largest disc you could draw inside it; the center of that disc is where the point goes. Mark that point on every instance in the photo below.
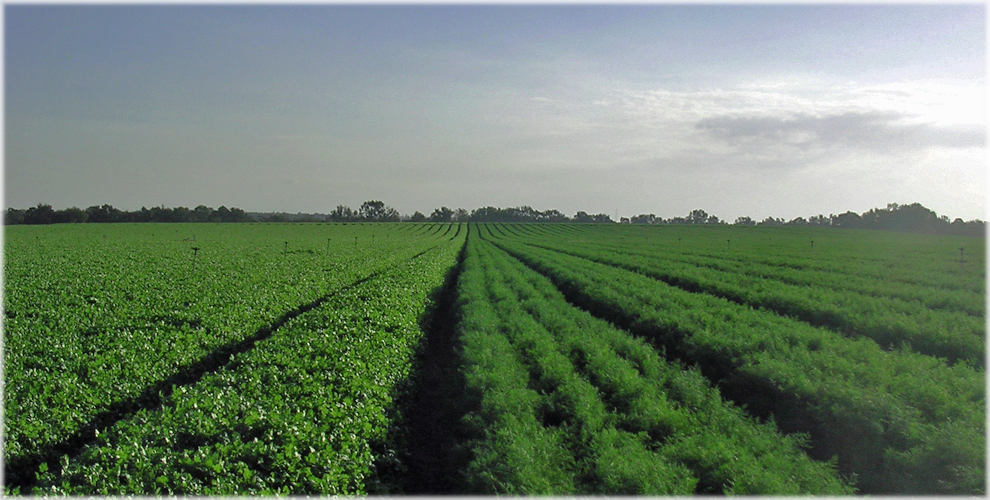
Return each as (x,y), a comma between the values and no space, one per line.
(929,261)
(889,322)
(306,411)
(901,422)
(949,299)
(568,404)
(101,320)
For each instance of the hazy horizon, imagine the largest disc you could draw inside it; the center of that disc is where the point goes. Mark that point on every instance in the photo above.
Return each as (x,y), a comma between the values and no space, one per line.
(772,110)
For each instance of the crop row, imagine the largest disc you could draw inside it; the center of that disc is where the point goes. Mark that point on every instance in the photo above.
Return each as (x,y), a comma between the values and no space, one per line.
(569,404)
(902,422)
(926,261)
(96,328)
(969,302)
(931,297)
(305,411)
(889,322)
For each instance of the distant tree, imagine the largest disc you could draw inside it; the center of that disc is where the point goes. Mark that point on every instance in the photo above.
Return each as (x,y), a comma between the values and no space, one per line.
(342,213)
(485,214)
(442,214)
(644,219)
(529,214)
(975,227)
(584,217)
(417,217)
(143,215)
(695,217)
(744,221)
(797,221)
(553,216)
(13,216)
(182,214)
(41,214)
(105,213)
(201,213)
(223,213)
(462,215)
(45,214)
(820,221)
(698,217)
(73,215)
(238,215)
(913,217)
(515,214)
(847,220)
(372,210)
(770,221)
(390,215)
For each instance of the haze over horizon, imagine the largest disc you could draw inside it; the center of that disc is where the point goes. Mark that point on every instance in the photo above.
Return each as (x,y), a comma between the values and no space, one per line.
(740,110)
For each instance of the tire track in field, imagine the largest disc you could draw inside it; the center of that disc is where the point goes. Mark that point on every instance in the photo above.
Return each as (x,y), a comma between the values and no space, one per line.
(431,457)
(20,471)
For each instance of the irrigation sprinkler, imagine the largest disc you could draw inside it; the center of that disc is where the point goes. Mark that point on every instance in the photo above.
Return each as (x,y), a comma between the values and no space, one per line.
(961,258)
(328,247)
(195,252)
(285,250)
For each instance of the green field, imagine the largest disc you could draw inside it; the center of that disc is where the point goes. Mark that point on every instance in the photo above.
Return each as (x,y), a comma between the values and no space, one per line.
(526,359)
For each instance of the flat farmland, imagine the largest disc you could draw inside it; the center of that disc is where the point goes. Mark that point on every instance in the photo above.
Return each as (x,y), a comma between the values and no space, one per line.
(109,326)
(523,359)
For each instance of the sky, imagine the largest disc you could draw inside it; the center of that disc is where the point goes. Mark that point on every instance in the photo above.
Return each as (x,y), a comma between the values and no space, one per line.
(739,110)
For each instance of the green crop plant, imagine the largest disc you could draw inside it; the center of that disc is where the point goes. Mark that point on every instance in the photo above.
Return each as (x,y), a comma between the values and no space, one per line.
(96,331)
(614,423)
(299,413)
(882,413)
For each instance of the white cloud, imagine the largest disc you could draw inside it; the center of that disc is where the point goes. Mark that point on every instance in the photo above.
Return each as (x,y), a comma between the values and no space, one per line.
(878,131)
(817,145)
(789,120)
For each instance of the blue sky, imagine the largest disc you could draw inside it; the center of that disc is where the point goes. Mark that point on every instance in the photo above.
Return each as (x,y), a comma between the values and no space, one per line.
(740,110)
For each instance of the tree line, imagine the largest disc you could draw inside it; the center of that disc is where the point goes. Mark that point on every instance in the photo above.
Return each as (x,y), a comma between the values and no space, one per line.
(913,217)
(446,214)
(45,214)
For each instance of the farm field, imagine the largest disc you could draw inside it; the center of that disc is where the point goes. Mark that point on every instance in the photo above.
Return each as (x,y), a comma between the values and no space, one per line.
(109,326)
(520,359)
